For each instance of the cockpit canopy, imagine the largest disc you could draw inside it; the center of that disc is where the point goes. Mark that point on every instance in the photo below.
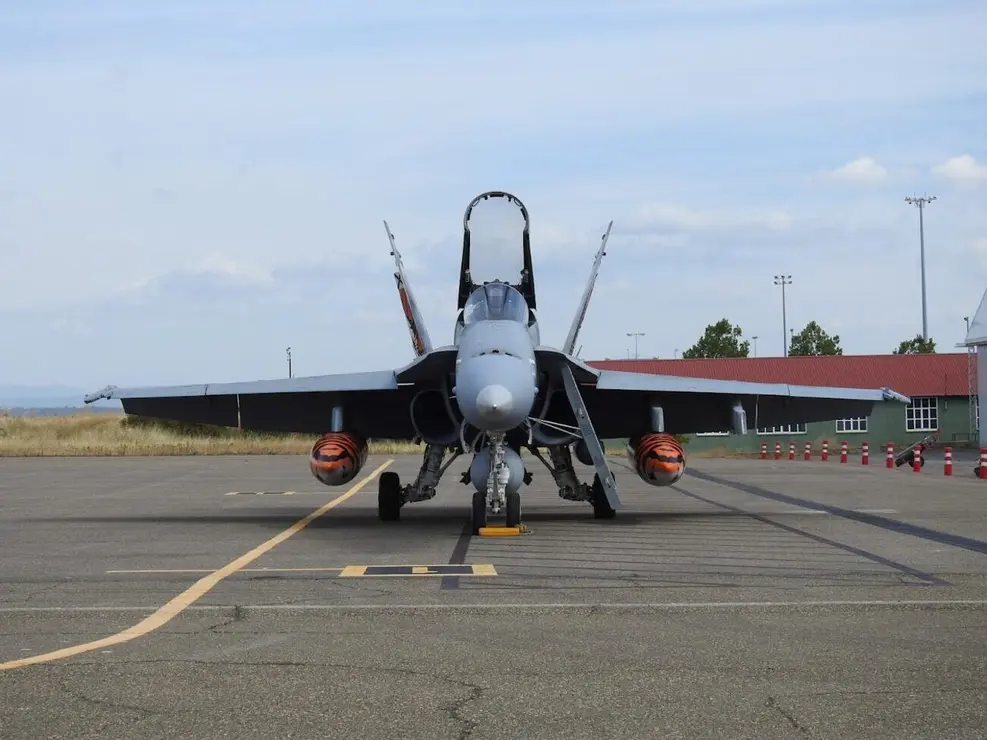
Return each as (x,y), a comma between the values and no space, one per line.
(495,301)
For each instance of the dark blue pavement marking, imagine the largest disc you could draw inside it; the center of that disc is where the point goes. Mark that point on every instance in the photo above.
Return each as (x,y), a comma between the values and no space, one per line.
(922,576)
(458,555)
(893,525)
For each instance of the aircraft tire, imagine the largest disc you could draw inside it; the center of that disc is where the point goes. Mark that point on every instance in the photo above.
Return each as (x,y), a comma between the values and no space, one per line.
(389,496)
(513,509)
(601,507)
(479,513)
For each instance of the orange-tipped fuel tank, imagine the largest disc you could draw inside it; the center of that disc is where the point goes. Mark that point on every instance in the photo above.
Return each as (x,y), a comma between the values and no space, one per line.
(337,457)
(657,458)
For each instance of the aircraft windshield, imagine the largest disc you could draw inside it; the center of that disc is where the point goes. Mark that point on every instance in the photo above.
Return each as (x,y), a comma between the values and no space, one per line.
(496,225)
(495,302)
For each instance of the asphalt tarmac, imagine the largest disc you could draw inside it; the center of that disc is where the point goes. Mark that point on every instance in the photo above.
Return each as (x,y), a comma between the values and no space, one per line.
(163,597)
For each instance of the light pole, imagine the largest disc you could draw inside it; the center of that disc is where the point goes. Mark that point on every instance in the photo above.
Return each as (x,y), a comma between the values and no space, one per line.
(967,320)
(921,203)
(635,334)
(755,345)
(784,280)
(288,352)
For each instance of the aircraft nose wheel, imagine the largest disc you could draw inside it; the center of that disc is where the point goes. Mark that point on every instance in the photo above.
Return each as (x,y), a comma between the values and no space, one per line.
(513,510)
(389,496)
(479,511)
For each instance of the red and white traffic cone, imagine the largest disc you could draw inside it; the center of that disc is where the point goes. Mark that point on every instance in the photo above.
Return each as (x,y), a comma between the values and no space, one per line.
(983,463)
(889,461)
(791,450)
(764,450)
(777,450)
(917,460)
(843,452)
(864,454)
(825,451)
(808,451)
(947,464)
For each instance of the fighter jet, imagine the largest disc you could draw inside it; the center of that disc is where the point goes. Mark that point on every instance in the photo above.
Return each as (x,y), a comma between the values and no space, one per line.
(495,391)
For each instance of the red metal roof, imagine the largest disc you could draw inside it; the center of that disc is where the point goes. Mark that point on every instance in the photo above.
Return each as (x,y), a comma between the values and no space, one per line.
(912,375)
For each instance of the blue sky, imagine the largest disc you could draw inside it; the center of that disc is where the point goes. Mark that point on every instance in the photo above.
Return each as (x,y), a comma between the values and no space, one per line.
(187,188)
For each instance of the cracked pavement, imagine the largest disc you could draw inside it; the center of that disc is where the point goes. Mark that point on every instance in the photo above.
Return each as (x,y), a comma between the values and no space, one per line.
(710,612)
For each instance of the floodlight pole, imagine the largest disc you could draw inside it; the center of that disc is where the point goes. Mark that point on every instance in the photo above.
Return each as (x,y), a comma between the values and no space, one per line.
(784,280)
(288,352)
(921,203)
(635,334)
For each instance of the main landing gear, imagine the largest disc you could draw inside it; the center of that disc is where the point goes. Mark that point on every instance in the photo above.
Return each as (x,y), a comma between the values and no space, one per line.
(391,495)
(570,488)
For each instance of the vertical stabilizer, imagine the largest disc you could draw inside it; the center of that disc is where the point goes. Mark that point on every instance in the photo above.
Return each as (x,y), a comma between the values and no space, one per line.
(577,321)
(419,335)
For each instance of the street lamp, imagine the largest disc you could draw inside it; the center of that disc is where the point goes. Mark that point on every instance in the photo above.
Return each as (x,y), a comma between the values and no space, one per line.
(755,345)
(288,352)
(784,280)
(921,203)
(635,334)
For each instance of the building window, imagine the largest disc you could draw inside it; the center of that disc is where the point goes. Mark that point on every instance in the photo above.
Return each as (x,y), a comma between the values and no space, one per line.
(849,426)
(922,415)
(786,429)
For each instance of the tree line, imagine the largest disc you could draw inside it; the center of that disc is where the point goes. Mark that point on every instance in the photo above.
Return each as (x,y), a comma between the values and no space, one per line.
(723,339)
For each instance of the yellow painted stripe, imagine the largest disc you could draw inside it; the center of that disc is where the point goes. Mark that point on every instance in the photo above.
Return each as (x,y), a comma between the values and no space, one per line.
(195,592)
(242,570)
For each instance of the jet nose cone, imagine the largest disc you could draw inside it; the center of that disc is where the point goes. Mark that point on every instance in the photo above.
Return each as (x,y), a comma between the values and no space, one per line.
(494,402)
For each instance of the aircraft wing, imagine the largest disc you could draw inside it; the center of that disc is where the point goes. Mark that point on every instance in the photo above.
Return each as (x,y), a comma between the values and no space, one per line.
(619,403)
(374,403)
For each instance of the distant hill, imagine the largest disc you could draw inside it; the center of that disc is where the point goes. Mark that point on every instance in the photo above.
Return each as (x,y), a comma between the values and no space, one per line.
(62,398)
(57,410)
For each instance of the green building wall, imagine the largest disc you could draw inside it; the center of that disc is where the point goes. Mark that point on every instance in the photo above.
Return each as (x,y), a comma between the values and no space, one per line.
(886,424)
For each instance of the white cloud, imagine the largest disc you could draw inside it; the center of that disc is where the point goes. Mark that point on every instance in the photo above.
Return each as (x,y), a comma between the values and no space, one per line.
(236,270)
(963,168)
(978,249)
(672,218)
(864,170)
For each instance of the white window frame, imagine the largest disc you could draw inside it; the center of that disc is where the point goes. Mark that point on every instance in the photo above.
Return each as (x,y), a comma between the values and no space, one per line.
(799,428)
(853,425)
(922,422)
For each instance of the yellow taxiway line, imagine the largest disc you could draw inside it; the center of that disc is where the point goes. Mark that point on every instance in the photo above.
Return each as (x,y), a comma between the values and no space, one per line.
(197,590)
(242,570)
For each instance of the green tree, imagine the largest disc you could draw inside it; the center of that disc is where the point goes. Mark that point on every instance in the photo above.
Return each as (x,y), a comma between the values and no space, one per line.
(812,340)
(916,346)
(721,339)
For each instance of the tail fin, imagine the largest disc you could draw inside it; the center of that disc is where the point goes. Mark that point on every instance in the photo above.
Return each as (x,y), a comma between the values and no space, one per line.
(419,336)
(577,321)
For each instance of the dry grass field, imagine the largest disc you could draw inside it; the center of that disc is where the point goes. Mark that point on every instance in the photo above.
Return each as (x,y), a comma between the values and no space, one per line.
(92,434)
(116,434)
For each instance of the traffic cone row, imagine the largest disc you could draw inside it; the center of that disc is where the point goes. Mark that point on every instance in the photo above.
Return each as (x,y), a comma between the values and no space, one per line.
(980,470)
